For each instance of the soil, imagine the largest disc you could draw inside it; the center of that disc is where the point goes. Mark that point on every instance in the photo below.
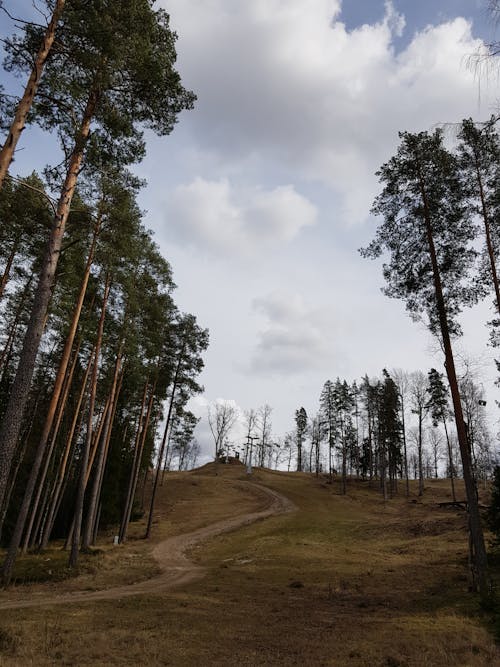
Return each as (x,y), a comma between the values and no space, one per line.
(171,554)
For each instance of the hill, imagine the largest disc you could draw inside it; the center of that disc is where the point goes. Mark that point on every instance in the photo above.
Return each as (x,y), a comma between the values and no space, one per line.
(338,580)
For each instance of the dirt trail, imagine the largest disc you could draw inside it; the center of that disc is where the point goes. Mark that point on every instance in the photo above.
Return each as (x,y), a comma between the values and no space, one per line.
(170,554)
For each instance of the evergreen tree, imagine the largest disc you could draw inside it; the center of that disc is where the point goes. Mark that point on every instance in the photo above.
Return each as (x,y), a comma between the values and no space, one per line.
(116,74)
(428,232)
(440,412)
(300,429)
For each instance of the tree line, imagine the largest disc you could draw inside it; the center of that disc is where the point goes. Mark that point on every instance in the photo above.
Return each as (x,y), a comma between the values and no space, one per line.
(95,356)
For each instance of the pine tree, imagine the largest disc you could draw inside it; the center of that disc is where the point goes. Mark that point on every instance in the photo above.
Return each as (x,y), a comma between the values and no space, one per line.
(117,72)
(428,232)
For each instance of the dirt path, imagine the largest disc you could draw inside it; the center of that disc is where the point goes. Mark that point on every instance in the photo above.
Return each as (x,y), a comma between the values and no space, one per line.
(176,568)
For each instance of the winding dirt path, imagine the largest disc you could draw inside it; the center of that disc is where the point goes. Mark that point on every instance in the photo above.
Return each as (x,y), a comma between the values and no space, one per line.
(170,554)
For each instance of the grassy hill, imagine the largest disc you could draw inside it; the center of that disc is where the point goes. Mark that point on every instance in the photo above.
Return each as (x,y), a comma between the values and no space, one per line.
(342,580)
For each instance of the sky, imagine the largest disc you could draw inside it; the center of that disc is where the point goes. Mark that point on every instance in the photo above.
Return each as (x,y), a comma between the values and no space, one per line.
(261,197)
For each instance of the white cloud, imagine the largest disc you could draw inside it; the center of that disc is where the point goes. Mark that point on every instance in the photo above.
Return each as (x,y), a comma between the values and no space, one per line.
(286,81)
(297,338)
(217,217)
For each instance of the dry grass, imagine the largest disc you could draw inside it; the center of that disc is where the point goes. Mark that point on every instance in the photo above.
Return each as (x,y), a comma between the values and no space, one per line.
(342,581)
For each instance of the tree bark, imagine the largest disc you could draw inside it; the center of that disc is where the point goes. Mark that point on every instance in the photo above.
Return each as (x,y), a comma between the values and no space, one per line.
(124,521)
(101,460)
(11,425)
(162,447)
(50,450)
(24,106)
(64,462)
(6,273)
(480,574)
(13,328)
(138,463)
(487,231)
(80,497)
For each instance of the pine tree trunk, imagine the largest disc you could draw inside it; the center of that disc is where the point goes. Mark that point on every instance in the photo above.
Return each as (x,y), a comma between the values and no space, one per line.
(450,459)
(6,273)
(17,317)
(80,496)
(64,462)
(14,413)
(107,442)
(135,475)
(480,574)
(49,452)
(101,461)
(161,452)
(125,514)
(22,516)
(24,106)
(420,462)
(487,231)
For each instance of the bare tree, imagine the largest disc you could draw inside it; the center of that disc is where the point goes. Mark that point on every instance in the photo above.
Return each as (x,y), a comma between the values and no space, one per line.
(264,431)
(221,419)
(435,440)
(418,402)
(250,424)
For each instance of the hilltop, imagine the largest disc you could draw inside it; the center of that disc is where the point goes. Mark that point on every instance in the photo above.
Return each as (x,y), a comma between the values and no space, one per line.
(328,580)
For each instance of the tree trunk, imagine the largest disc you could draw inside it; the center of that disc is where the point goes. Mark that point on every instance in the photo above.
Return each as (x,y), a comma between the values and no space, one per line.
(480,574)
(138,460)
(13,328)
(450,459)
(64,462)
(125,515)
(5,276)
(101,460)
(50,450)
(106,451)
(75,542)
(161,452)
(420,462)
(24,106)
(11,425)
(487,232)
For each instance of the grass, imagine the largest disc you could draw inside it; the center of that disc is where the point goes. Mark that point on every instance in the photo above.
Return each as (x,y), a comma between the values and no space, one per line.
(343,581)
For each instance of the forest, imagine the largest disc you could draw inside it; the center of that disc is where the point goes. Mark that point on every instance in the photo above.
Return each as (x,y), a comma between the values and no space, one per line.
(98,364)
(95,353)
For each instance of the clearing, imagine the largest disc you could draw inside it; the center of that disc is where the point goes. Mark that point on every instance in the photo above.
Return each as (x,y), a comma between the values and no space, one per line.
(277,570)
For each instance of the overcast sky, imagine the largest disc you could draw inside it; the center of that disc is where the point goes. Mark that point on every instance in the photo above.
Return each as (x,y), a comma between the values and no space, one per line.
(261,196)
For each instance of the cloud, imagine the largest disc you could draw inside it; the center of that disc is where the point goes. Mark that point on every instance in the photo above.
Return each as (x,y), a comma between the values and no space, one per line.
(226,220)
(297,338)
(287,82)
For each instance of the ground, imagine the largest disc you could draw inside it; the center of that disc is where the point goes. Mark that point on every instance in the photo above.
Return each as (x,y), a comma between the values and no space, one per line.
(317,579)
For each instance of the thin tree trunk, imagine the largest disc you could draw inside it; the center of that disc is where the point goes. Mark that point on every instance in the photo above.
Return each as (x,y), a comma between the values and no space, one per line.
(138,463)
(80,497)
(5,276)
(420,463)
(480,574)
(64,462)
(24,106)
(17,317)
(124,521)
(11,426)
(50,449)
(57,403)
(162,448)
(106,451)
(450,458)
(101,460)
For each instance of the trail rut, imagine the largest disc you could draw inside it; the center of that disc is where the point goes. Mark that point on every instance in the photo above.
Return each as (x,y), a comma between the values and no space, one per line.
(176,568)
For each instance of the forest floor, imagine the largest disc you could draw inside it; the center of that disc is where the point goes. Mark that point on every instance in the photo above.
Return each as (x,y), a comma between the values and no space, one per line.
(279,570)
